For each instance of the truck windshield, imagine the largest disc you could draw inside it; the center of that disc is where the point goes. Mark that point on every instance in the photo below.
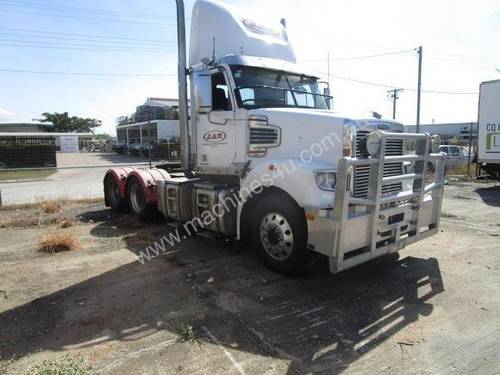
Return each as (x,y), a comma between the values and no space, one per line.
(266,88)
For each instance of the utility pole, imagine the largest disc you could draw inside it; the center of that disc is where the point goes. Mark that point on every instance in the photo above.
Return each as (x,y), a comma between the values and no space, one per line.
(393,94)
(328,68)
(419,89)
(470,150)
(330,102)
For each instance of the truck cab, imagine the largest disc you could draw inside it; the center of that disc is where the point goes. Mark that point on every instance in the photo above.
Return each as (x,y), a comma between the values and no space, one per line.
(266,159)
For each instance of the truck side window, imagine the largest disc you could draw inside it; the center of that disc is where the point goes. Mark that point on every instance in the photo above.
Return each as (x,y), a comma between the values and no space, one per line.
(220,93)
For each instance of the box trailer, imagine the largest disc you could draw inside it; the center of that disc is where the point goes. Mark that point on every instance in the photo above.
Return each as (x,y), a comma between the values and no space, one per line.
(488,137)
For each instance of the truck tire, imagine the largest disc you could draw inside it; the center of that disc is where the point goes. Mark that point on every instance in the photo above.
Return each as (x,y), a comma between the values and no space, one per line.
(112,194)
(137,201)
(279,233)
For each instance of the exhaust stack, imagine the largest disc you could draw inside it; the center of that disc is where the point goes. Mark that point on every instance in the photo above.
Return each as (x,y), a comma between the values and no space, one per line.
(183,96)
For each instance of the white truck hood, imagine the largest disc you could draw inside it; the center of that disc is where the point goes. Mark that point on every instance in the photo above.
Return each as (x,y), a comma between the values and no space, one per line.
(313,132)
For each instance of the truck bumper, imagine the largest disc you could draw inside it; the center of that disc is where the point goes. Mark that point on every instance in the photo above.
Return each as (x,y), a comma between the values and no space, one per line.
(357,230)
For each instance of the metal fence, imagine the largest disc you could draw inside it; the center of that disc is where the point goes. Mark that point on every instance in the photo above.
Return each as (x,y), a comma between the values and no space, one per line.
(170,151)
(27,152)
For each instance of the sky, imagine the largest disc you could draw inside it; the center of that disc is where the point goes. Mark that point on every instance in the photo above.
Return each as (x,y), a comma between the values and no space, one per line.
(129,50)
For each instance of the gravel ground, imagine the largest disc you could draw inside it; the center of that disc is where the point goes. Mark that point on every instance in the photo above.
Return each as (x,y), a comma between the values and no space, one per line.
(436,310)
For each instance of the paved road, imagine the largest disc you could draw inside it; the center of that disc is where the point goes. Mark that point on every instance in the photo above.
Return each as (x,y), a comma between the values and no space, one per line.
(78,183)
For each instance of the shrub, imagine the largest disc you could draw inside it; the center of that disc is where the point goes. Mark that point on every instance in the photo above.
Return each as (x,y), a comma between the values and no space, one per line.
(58,241)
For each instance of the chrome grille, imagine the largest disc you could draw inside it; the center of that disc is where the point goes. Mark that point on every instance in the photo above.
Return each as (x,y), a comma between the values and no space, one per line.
(264,135)
(362,172)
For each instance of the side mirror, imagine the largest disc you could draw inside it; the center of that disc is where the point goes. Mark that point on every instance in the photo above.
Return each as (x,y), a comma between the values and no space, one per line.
(202,90)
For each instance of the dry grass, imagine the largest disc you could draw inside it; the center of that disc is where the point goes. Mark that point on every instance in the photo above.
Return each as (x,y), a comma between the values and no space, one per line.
(65,223)
(58,241)
(50,207)
(460,170)
(21,222)
(33,220)
(60,201)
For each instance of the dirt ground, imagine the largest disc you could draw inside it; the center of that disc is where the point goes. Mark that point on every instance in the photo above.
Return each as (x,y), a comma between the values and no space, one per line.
(434,311)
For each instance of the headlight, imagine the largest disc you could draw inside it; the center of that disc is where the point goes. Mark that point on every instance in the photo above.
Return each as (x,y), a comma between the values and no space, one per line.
(373,144)
(325,180)
(349,142)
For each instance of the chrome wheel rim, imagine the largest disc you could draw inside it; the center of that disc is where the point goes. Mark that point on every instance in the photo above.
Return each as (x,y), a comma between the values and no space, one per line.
(136,198)
(276,236)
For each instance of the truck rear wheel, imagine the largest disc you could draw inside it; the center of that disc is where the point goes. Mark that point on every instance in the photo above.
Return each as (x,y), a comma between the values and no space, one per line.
(279,232)
(112,194)
(137,201)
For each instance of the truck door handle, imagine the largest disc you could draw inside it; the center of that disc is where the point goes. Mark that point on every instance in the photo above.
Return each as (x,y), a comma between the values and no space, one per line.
(217,117)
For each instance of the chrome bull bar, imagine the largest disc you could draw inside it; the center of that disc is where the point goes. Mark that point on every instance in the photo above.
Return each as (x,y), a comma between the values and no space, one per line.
(366,228)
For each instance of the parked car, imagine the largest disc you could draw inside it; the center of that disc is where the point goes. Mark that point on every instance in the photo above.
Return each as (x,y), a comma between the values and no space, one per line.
(454,155)
(119,147)
(135,149)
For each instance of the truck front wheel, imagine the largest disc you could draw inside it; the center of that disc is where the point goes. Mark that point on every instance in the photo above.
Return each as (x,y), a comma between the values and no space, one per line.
(279,232)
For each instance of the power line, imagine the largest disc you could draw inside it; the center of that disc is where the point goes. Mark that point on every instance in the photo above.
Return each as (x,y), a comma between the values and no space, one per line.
(84,35)
(464,58)
(103,19)
(64,8)
(88,44)
(83,48)
(174,75)
(366,56)
(89,40)
(386,86)
(86,73)
(95,37)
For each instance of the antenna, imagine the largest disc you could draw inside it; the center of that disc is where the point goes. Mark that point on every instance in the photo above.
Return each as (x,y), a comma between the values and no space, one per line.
(213,51)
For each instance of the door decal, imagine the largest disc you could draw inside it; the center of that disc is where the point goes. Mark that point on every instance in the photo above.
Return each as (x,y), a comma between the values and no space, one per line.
(214,136)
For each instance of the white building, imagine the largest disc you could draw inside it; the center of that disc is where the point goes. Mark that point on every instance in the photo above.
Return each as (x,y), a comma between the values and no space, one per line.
(155,131)
(448,131)
(156,121)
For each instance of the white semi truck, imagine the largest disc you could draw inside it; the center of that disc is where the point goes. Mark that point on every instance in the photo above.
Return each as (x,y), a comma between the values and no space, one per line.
(266,160)
(488,137)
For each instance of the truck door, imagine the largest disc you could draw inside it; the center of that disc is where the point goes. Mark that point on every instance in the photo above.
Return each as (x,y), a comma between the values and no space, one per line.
(216,131)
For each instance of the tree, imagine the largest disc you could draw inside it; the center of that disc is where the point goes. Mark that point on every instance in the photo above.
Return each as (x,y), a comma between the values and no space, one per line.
(123,120)
(62,122)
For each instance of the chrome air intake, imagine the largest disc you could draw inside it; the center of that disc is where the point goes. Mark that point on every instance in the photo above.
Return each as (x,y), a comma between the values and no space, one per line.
(393,147)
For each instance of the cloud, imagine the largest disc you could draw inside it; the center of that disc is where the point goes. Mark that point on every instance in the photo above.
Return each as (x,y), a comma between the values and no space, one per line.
(5,113)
